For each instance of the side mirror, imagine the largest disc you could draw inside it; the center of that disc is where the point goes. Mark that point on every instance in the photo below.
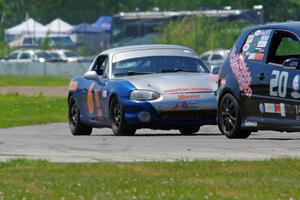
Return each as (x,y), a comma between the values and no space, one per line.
(92,75)
(214,69)
(292,62)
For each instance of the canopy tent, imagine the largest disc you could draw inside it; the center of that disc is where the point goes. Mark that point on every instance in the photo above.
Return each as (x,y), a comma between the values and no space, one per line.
(59,26)
(103,23)
(28,27)
(85,28)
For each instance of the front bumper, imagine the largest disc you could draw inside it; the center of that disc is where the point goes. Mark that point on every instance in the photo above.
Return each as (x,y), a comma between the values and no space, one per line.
(172,111)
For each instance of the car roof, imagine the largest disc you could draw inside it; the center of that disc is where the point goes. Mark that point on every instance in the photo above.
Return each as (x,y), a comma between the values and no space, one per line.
(144,47)
(289,26)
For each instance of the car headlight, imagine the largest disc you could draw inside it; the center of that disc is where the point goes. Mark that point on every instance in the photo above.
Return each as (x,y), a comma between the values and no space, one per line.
(143,95)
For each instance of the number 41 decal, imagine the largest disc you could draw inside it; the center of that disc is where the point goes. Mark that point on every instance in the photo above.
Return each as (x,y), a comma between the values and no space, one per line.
(278,84)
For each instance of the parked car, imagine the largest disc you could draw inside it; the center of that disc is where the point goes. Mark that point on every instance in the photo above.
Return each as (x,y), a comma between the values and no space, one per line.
(259,86)
(34,41)
(146,86)
(66,55)
(30,55)
(214,58)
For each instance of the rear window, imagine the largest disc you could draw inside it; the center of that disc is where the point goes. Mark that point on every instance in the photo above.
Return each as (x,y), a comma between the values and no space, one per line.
(256,44)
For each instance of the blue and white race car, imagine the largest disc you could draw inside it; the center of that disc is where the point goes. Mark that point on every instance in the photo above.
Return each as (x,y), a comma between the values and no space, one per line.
(145,86)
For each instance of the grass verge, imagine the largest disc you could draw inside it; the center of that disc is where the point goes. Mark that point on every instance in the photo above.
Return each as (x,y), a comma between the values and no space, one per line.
(11,81)
(18,110)
(272,179)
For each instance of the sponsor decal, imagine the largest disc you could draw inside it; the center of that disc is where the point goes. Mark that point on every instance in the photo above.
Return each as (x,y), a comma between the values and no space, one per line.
(260,49)
(261,108)
(192,96)
(269,108)
(104,93)
(213,78)
(73,85)
(258,56)
(265,32)
(241,72)
(90,101)
(282,110)
(180,90)
(193,104)
(250,123)
(256,33)
(262,43)
(275,108)
(223,82)
(249,39)
(246,47)
(296,87)
(185,105)
(265,37)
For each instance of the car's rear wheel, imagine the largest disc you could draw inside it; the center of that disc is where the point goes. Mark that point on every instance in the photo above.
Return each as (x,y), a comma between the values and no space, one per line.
(229,119)
(189,130)
(76,126)
(118,123)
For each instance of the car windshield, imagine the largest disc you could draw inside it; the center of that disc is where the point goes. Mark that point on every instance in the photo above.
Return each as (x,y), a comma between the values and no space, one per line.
(43,55)
(71,54)
(55,55)
(158,64)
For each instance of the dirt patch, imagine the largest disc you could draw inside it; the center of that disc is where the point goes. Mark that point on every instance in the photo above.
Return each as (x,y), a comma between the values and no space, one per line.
(59,91)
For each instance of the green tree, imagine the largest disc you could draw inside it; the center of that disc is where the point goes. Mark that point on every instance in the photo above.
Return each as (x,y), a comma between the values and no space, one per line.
(201,33)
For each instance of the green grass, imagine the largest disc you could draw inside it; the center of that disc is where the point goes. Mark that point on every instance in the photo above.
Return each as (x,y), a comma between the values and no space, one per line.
(33,81)
(273,179)
(17,110)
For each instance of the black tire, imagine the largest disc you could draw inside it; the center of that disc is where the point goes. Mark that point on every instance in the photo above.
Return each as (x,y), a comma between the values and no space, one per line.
(189,130)
(118,123)
(76,126)
(229,118)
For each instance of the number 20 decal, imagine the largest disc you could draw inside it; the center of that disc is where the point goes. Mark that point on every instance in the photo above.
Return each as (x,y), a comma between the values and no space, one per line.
(278,84)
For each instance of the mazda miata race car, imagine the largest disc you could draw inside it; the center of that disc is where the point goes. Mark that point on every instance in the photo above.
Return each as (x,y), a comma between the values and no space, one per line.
(259,83)
(146,86)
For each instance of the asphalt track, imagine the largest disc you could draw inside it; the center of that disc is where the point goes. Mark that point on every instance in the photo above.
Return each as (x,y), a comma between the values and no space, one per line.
(55,143)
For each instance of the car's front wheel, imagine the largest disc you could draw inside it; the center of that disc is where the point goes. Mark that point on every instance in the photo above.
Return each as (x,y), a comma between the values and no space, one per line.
(76,126)
(189,130)
(118,123)
(229,119)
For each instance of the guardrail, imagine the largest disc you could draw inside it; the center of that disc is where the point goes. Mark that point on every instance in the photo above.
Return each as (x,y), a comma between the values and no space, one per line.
(43,69)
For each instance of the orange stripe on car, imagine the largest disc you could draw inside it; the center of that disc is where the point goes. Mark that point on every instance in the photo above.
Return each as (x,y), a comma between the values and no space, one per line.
(90,101)
(73,85)
(98,104)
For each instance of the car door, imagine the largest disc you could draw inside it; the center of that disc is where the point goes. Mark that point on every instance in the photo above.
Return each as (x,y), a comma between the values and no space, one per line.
(254,52)
(284,87)
(271,81)
(96,87)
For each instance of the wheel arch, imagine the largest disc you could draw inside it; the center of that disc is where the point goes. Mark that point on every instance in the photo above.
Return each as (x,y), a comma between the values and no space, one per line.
(112,96)
(227,91)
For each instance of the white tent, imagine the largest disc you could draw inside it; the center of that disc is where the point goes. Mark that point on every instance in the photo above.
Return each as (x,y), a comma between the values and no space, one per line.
(29,27)
(59,26)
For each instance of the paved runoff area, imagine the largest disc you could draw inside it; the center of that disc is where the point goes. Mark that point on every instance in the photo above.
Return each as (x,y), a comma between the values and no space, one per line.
(54,142)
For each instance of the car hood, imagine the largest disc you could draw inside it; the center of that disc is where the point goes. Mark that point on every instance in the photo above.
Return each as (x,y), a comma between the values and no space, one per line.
(174,83)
